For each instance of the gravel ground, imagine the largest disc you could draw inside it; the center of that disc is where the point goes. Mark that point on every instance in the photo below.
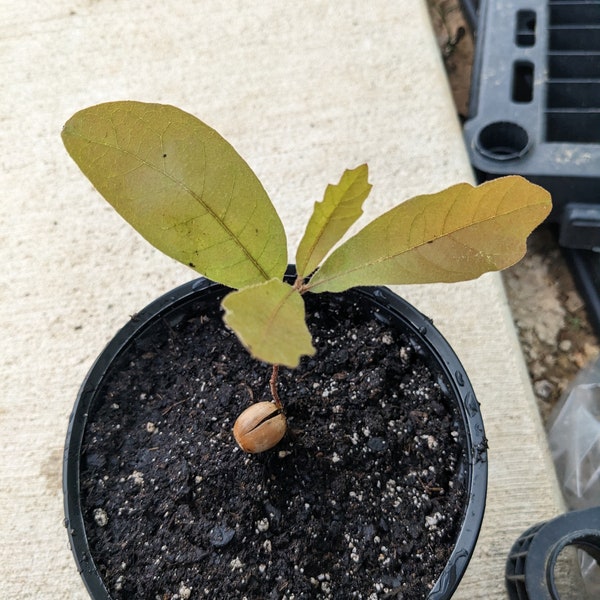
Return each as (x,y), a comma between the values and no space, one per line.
(551,319)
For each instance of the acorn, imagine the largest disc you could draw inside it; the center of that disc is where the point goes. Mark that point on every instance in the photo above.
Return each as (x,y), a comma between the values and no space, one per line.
(260,427)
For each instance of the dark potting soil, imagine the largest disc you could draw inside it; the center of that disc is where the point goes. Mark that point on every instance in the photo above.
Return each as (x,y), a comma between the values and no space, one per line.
(363,498)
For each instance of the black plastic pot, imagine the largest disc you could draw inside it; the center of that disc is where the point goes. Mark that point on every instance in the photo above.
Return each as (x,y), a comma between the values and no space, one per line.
(177,305)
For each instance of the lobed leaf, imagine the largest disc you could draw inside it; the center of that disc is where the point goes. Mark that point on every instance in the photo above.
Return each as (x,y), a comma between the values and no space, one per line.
(182,186)
(457,234)
(269,319)
(331,218)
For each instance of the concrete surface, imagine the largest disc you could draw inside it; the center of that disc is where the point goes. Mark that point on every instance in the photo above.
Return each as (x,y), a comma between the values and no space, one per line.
(303,90)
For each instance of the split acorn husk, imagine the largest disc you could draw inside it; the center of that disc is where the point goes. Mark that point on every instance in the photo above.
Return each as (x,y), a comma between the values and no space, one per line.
(260,427)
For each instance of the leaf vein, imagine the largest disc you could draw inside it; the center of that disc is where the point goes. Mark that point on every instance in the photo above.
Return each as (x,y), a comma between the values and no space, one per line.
(194,195)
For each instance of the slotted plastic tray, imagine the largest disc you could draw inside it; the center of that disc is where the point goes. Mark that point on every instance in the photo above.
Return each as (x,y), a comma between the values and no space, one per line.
(535,105)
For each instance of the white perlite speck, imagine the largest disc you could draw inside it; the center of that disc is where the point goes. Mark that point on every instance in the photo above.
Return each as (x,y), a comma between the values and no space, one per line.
(137,477)
(100,517)
(262,525)
(433,520)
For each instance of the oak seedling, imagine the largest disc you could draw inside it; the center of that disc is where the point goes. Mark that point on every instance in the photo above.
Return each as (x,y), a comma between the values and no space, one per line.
(189,193)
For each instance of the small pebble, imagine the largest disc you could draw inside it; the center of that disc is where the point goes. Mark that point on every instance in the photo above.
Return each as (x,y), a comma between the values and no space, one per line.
(565,345)
(221,535)
(543,388)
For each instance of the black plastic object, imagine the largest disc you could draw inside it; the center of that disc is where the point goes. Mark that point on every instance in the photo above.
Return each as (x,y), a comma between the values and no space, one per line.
(183,303)
(585,267)
(470,10)
(531,562)
(535,105)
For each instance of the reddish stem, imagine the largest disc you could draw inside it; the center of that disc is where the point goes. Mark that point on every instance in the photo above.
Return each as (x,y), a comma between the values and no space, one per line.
(273,384)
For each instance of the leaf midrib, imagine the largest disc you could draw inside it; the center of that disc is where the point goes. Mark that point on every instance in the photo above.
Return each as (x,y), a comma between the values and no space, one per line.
(308,286)
(188,190)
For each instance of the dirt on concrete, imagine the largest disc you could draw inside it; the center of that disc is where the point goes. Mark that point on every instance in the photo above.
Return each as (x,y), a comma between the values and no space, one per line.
(551,319)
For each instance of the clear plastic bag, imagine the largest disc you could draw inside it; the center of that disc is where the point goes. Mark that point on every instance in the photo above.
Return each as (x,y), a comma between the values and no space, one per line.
(574,438)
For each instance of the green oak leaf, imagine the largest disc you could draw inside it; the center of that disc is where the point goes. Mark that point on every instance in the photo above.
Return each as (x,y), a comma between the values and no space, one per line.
(331,218)
(182,186)
(269,319)
(454,235)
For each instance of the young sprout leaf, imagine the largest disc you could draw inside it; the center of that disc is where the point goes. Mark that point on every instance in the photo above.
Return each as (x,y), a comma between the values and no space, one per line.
(269,320)
(331,218)
(457,234)
(183,187)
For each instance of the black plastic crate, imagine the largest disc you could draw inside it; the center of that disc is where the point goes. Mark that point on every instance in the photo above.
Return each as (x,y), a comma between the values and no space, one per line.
(535,105)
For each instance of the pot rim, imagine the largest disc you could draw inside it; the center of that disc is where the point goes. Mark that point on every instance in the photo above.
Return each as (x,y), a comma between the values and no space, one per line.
(382,299)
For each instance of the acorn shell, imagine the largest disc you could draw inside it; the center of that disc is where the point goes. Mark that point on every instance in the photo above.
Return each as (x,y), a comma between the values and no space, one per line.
(260,427)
